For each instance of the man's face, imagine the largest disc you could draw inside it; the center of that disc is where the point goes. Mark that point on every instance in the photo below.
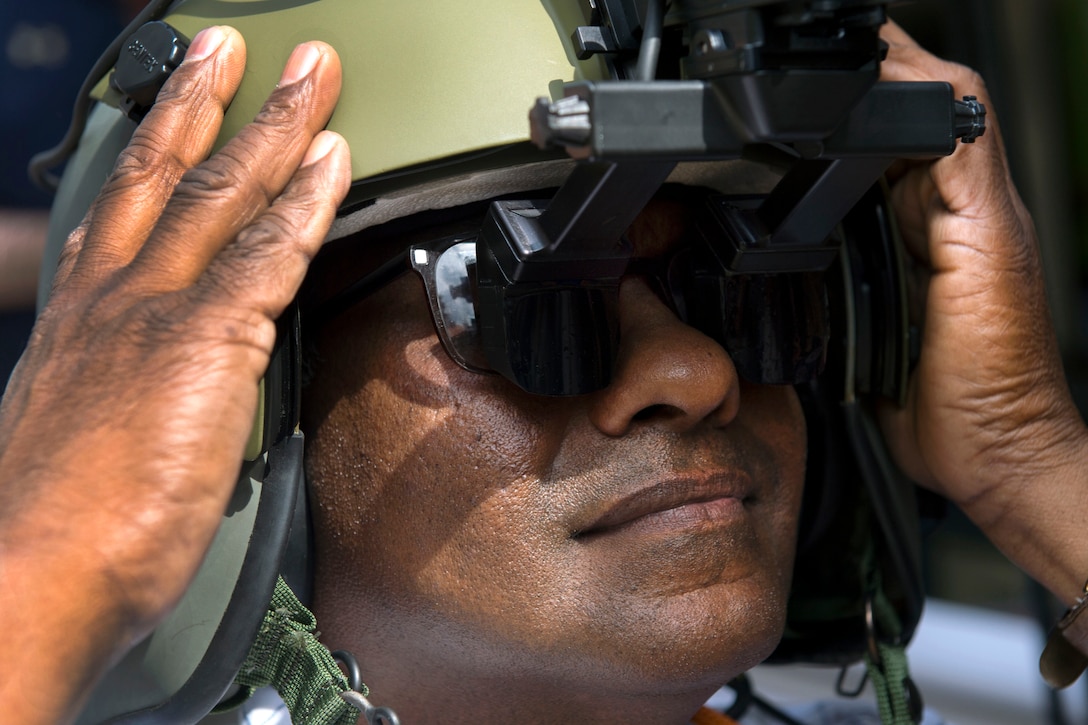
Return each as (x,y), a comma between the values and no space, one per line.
(635,541)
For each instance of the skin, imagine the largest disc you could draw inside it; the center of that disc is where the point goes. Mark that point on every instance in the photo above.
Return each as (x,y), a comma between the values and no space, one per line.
(458,552)
(149,322)
(22,238)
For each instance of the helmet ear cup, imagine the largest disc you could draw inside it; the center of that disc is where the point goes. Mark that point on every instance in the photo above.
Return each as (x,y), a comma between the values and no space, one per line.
(859,536)
(180,672)
(826,611)
(188,664)
(283,391)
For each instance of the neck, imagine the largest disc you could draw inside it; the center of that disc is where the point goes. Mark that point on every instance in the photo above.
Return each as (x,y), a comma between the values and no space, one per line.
(498,703)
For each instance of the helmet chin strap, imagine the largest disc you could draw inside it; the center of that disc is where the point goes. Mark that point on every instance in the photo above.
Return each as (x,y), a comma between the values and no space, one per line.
(288,656)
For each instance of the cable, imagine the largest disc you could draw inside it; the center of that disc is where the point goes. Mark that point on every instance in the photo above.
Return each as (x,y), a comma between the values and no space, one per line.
(651,40)
(43,161)
(746,698)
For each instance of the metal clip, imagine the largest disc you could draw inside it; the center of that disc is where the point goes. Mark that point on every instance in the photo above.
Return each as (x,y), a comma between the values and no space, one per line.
(1062,661)
(373,715)
(841,684)
(357,699)
(870,634)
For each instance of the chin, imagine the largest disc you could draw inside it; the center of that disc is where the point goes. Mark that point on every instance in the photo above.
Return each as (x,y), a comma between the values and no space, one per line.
(680,643)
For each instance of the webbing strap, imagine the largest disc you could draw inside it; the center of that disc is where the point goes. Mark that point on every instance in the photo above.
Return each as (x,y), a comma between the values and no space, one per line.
(892,684)
(288,656)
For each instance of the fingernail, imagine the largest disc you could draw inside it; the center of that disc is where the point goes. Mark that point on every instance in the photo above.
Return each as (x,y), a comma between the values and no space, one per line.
(301,63)
(206,42)
(320,147)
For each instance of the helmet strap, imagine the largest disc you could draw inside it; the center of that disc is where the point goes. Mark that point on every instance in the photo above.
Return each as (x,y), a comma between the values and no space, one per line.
(896,696)
(898,700)
(288,656)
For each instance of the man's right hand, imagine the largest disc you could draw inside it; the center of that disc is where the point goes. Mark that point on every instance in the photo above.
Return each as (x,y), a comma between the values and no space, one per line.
(123,426)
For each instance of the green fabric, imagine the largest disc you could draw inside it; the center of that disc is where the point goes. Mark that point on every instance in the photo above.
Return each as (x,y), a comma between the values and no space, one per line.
(890,680)
(288,656)
(890,674)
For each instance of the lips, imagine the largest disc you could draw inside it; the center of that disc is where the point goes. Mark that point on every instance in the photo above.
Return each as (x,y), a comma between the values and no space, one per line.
(674,503)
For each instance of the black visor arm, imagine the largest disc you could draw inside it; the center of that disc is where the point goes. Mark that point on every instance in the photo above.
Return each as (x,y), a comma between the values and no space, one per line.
(691,120)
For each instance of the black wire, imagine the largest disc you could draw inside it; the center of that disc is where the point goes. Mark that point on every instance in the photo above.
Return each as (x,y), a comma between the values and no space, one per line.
(363,288)
(43,161)
(746,697)
(742,687)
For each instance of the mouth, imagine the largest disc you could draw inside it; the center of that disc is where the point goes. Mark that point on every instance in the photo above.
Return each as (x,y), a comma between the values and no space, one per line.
(676,504)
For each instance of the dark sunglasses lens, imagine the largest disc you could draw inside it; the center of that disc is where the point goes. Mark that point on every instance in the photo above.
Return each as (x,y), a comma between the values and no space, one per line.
(561,341)
(556,340)
(450,278)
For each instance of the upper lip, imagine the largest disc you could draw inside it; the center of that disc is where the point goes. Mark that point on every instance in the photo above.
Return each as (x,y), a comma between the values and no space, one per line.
(668,494)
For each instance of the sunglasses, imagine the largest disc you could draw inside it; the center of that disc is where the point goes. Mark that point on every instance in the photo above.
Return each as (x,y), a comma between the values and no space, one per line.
(774,326)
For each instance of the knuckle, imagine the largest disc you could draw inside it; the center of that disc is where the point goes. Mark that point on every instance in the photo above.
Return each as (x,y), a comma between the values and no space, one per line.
(213,178)
(179,88)
(222,183)
(148,165)
(75,239)
(268,250)
(270,238)
(965,78)
(136,163)
(281,110)
(237,175)
(975,81)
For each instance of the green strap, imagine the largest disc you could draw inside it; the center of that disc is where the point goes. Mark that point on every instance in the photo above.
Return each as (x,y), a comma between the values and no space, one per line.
(891,680)
(288,656)
(897,698)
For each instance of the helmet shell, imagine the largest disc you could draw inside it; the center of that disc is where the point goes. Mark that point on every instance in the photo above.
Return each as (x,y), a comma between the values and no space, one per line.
(423,82)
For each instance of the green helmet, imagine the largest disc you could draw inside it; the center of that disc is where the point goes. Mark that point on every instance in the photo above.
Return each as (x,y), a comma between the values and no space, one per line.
(603,100)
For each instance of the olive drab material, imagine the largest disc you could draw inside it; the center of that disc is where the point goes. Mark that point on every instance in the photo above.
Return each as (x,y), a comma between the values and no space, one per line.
(386,46)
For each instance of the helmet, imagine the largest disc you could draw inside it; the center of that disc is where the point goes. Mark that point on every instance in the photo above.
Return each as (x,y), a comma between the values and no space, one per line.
(779,92)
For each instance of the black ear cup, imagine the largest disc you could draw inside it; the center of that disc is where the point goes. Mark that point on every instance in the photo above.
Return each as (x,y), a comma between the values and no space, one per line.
(859,537)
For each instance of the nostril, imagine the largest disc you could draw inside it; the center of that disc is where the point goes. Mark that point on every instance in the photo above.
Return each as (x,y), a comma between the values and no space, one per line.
(653,411)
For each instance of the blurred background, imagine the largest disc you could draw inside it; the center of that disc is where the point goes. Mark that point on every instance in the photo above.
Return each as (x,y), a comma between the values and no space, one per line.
(46,49)
(976,652)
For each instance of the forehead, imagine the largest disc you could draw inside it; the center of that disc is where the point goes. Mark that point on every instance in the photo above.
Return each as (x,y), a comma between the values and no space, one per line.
(664,223)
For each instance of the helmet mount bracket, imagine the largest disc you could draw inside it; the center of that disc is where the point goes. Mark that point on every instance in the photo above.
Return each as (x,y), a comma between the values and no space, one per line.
(754,74)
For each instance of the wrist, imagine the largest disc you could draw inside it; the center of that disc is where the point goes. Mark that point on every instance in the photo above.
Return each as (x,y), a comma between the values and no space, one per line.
(61,611)
(1037,502)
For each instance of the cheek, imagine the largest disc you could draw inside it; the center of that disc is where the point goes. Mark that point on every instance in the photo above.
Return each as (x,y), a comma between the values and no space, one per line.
(419,461)
(775,411)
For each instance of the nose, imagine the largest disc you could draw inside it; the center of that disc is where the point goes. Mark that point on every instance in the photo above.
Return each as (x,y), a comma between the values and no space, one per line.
(667,373)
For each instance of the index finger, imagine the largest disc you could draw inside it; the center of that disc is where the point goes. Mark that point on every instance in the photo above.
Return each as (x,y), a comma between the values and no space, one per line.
(894,34)
(219,198)
(177,134)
